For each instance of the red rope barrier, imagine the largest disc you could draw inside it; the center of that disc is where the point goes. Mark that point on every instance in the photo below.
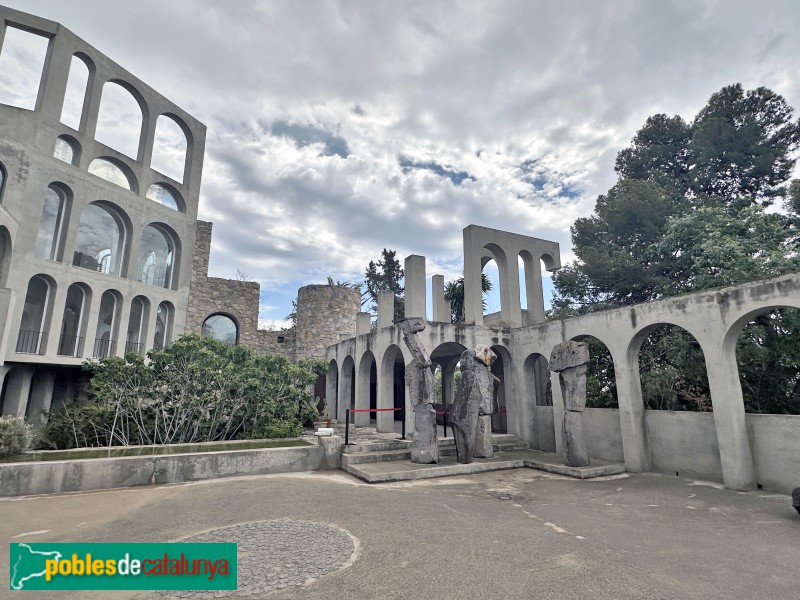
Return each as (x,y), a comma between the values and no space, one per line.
(361,410)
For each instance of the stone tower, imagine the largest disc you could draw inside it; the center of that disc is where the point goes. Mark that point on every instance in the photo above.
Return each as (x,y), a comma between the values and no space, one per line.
(325,313)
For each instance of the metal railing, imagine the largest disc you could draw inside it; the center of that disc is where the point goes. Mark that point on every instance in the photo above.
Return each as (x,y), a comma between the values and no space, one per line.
(69,345)
(30,342)
(135,347)
(104,348)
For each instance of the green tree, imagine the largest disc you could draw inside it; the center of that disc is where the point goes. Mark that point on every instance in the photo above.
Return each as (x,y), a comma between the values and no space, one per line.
(454,294)
(384,274)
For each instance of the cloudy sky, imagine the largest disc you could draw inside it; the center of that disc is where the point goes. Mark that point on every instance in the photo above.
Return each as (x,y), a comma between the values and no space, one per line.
(336,129)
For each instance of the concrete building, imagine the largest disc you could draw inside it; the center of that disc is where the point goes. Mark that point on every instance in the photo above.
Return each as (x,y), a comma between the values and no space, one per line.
(727,445)
(96,244)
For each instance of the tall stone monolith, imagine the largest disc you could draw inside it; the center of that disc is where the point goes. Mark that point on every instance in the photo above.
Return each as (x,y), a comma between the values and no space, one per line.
(569,360)
(419,379)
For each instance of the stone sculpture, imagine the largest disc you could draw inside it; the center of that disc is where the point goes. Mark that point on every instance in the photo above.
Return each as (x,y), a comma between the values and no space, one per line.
(796,499)
(419,379)
(474,402)
(569,359)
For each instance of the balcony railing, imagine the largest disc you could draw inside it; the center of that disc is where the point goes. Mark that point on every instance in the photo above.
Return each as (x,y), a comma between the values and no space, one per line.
(133,347)
(70,345)
(104,348)
(30,342)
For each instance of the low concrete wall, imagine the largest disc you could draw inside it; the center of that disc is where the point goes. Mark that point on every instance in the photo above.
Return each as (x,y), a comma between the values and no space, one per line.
(545,433)
(53,477)
(775,440)
(684,443)
(602,433)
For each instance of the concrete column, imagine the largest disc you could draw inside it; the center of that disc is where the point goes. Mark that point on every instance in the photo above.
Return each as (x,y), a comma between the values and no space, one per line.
(385,309)
(331,391)
(533,291)
(416,293)
(362,394)
(510,310)
(8,300)
(473,290)
(152,320)
(53,84)
(738,470)
(91,109)
(92,316)
(558,411)
(345,386)
(41,397)
(631,412)
(385,420)
(147,135)
(440,306)
(121,335)
(18,390)
(50,346)
(363,323)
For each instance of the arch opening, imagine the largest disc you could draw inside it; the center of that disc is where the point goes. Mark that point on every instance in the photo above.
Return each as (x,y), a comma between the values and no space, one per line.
(221,327)
(165,195)
(137,324)
(75,95)
(156,256)
(33,324)
(500,369)
(67,150)
(113,172)
(601,379)
(163,333)
(52,223)
(100,240)
(105,342)
(169,148)
(70,342)
(22,59)
(119,120)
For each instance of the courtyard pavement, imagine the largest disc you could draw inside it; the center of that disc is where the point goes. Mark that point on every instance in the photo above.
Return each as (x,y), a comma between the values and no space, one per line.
(506,534)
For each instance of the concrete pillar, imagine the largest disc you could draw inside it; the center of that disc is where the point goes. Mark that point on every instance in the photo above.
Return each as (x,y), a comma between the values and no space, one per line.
(440,306)
(41,397)
(147,135)
(362,393)
(510,307)
(558,411)
(533,292)
(416,293)
(53,84)
(473,290)
(631,412)
(152,326)
(345,387)
(363,323)
(738,470)
(18,390)
(91,109)
(8,300)
(121,333)
(385,309)
(331,391)
(384,421)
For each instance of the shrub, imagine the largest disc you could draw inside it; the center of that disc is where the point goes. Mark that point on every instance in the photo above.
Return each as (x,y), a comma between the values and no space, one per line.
(15,436)
(79,425)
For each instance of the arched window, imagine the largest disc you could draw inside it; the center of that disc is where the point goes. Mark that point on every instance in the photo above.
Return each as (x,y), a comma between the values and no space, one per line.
(222,328)
(51,225)
(136,324)
(169,148)
(72,109)
(110,172)
(119,120)
(66,150)
(105,343)
(156,253)
(164,195)
(163,326)
(101,238)
(70,342)
(31,328)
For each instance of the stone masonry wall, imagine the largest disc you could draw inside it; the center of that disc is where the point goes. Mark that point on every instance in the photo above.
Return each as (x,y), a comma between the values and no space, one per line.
(324,314)
(269,342)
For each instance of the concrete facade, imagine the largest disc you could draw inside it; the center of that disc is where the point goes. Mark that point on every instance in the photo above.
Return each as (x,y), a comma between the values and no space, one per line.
(46,339)
(742,451)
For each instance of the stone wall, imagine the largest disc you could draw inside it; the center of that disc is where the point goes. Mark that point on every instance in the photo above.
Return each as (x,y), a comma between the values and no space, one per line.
(277,342)
(325,313)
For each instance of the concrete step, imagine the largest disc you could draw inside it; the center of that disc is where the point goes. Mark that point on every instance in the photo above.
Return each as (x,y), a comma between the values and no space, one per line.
(377,446)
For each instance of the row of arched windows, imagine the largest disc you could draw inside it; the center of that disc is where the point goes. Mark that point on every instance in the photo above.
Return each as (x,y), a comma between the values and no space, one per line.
(67,150)
(74,338)
(101,239)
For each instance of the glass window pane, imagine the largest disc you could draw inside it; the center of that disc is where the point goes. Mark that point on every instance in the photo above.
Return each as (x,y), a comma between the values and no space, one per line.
(99,240)
(155,258)
(110,172)
(64,151)
(104,342)
(50,225)
(220,328)
(163,195)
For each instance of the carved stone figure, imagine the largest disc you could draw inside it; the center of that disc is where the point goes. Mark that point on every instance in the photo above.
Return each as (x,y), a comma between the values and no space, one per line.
(419,379)
(569,359)
(475,397)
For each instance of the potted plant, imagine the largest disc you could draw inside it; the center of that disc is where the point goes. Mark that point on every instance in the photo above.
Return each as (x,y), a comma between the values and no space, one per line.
(324,419)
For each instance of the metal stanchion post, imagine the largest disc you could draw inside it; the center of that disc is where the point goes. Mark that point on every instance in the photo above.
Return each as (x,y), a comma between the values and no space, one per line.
(445,420)
(347,427)
(403,412)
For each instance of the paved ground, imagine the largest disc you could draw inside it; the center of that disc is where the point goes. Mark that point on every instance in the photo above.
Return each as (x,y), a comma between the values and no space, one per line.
(509,534)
